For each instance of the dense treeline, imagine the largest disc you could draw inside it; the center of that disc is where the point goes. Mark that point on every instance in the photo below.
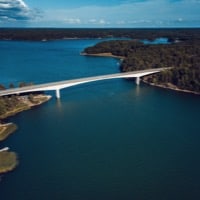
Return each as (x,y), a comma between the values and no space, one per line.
(183,56)
(37,34)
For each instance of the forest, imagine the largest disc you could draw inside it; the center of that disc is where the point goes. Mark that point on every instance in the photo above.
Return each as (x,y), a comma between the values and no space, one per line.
(38,34)
(183,56)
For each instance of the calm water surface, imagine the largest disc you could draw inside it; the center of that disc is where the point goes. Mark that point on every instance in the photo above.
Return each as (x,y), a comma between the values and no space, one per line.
(108,140)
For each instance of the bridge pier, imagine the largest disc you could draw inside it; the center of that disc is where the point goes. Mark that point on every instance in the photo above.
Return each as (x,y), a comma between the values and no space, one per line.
(137,81)
(58,94)
(57,86)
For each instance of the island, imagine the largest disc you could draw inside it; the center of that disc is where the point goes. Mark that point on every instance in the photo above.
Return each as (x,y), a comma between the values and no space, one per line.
(9,106)
(8,161)
(181,56)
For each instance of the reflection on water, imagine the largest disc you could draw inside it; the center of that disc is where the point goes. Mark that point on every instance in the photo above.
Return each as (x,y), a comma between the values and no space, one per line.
(137,90)
(59,104)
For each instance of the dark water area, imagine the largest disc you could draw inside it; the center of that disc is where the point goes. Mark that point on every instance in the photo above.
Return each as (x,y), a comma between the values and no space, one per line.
(108,140)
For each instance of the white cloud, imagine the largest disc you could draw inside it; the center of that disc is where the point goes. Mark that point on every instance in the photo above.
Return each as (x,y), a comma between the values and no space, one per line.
(129,13)
(102,21)
(16,10)
(93,21)
(97,22)
(72,21)
(120,22)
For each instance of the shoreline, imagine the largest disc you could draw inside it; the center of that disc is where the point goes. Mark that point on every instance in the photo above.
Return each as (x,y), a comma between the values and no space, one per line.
(102,55)
(6,130)
(172,87)
(27,104)
(8,159)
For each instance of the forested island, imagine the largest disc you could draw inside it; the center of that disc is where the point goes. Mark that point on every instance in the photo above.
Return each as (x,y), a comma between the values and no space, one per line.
(183,56)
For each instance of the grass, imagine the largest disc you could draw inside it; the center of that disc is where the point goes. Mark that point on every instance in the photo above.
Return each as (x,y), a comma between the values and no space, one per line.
(6,130)
(8,161)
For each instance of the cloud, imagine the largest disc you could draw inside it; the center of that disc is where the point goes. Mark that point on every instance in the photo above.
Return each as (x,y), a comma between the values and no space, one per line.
(130,13)
(72,21)
(16,10)
(102,21)
(125,13)
(97,22)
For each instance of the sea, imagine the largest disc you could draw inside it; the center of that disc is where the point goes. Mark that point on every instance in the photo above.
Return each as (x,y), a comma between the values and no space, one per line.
(106,140)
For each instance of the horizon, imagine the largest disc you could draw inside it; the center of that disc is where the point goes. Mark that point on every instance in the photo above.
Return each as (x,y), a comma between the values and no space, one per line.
(103,28)
(104,14)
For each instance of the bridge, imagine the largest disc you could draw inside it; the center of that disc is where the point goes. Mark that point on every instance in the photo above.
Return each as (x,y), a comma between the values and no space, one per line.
(57,86)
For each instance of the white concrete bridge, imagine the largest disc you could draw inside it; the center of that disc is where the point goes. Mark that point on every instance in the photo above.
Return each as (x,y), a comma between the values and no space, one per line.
(57,86)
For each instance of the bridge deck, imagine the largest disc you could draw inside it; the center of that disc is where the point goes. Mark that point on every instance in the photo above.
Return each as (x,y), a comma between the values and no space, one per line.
(68,83)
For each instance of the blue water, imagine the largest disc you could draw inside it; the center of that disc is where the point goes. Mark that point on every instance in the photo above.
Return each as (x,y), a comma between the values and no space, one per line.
(109,140)
(157,41)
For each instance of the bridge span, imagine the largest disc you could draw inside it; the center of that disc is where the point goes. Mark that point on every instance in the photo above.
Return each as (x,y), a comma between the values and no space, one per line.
(57,86)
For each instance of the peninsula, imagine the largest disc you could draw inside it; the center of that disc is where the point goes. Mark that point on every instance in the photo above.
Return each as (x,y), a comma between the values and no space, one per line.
(182,56)
(11,105)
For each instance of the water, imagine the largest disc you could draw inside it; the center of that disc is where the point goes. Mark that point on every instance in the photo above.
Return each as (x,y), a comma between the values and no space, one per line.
(157,41)
(107,140)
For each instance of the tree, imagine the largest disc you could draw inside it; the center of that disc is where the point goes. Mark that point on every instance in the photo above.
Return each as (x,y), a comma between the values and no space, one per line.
(22,84)
(11,85)
(2,87)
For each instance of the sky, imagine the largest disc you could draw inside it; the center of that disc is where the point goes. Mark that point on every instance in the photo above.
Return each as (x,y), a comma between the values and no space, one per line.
(100,13)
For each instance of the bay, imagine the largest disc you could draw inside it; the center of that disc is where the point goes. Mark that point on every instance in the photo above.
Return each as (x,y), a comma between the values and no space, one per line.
(103,140)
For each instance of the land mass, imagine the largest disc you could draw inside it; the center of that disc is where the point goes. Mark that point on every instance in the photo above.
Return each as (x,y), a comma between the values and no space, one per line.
(45,34)
(11,105)
(182,56)
(6,130)
(8,161)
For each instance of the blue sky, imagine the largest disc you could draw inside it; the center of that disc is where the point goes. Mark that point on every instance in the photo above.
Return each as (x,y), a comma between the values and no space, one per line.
(100,14)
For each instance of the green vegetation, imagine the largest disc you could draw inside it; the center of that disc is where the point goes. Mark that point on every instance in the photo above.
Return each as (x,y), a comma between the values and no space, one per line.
(38,34)
(183,56)
(8,161)
(11,105)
